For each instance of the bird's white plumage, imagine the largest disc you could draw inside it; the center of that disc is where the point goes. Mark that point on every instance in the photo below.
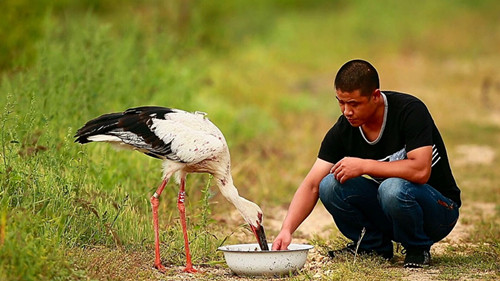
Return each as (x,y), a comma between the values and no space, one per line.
(192,137)
(105,138)
(188,142)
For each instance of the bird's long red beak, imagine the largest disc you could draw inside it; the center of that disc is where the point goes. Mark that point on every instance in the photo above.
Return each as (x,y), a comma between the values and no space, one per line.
(261,237)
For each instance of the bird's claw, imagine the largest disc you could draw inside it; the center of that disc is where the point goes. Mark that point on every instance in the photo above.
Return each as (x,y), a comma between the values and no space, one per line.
(189,269)
(160,268)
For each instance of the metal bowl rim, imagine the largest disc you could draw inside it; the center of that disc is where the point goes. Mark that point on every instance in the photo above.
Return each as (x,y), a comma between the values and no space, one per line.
(305,247)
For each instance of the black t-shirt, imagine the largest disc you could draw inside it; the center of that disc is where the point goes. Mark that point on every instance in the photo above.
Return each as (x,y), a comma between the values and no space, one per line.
(407,125)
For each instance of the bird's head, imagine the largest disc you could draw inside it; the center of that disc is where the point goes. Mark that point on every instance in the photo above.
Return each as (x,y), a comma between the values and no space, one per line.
(252,214)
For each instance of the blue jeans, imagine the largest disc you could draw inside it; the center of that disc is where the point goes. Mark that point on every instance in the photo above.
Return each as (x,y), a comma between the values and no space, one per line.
(415,215)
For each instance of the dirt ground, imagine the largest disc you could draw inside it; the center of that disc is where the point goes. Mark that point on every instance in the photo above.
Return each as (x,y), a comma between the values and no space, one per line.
(137,266)
(321,224)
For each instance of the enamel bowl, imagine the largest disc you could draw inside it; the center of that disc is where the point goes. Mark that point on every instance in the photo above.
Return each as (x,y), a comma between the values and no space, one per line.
(248,259)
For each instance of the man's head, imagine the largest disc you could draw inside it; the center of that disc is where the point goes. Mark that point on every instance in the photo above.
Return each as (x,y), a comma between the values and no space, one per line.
(358,93)
(357,75)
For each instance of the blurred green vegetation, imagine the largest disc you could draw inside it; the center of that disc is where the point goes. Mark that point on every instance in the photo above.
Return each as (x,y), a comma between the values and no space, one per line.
(22,25)
(261,69)
(192,23)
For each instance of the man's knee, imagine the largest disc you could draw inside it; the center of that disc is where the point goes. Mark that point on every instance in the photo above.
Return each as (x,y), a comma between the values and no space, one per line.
(327,187)
(391,188)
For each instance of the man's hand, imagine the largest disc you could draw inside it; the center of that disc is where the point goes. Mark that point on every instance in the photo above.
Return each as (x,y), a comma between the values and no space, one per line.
(347,168)
(416,168)
(282,241)
(302,204)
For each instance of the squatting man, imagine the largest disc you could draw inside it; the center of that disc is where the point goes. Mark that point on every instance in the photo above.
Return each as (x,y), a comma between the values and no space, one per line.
(381,168)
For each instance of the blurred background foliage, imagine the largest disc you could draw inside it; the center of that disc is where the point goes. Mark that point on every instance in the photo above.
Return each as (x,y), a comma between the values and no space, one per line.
(263,70)
(194,23)
(207,24)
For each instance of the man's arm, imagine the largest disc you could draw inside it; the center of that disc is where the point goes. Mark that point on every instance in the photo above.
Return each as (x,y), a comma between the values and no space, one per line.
(416,168)
(302,204)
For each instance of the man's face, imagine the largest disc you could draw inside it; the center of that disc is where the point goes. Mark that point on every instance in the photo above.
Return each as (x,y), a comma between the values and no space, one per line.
(356,108)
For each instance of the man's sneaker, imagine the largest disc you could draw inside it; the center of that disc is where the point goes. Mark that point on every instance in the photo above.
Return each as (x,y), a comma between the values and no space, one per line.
(351,249)
(417,258)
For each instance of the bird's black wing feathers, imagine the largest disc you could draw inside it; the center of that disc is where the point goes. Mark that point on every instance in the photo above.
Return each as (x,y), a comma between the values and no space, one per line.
(98,126)
(132,127)
(139,121)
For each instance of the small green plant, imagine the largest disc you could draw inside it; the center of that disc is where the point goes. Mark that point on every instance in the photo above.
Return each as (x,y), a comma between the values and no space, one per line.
(206,240)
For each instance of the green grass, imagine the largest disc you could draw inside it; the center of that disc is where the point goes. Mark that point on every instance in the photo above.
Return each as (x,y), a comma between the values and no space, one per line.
(70,212)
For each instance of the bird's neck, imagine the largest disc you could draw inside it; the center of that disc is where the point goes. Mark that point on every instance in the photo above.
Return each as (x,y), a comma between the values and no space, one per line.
(228,190)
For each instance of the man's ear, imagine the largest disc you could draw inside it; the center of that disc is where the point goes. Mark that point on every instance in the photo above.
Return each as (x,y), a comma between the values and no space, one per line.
(376,94)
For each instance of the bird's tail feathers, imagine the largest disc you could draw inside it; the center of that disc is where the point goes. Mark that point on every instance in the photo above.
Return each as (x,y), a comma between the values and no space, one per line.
(97,129)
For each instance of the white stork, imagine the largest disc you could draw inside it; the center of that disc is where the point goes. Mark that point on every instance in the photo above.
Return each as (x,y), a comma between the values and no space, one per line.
(187,143)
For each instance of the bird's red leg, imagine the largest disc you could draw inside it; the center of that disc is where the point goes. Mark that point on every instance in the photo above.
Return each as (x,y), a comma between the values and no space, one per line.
(155,202)
(182,211)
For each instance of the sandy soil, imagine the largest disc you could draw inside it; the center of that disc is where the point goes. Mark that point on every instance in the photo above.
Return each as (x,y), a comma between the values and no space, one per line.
(137,266)
(319,223)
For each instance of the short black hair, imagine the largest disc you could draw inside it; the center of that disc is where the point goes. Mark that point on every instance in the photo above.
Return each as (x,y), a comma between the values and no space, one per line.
(357,75)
